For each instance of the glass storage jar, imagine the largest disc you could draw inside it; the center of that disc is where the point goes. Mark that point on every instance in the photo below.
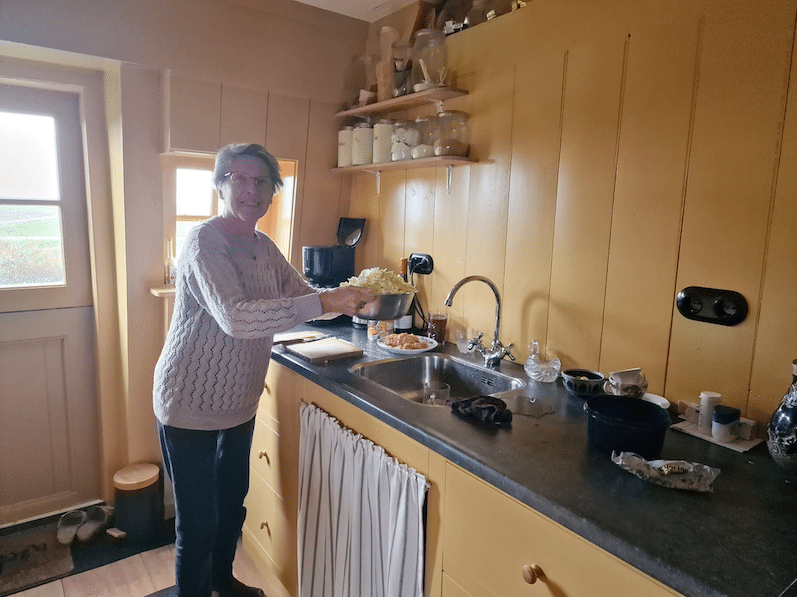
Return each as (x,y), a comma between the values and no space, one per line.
(425,130)
(402,141)
(453,133)
(429,60)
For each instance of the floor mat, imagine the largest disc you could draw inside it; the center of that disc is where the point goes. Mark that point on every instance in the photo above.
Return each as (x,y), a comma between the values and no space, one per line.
(104,549)
(31,557)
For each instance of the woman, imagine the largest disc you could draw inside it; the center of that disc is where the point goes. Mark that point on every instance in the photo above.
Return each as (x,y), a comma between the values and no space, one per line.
(234,291)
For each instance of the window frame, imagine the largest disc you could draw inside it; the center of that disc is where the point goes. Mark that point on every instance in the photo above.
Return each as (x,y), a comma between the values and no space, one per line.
(63,104)
(269,224)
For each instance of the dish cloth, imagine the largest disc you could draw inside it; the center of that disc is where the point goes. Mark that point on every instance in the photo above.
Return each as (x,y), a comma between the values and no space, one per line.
(486,409)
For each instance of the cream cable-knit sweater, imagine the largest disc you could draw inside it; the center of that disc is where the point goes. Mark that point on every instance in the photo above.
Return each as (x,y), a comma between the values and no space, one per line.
(232,295)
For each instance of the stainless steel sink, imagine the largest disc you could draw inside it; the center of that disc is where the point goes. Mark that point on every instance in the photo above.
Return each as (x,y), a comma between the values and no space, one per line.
(407,377)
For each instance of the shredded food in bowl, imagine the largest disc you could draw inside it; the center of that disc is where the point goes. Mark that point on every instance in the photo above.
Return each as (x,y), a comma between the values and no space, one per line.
(381,281)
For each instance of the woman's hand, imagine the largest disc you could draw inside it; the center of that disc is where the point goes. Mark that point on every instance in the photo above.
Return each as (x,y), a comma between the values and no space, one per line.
(345,299)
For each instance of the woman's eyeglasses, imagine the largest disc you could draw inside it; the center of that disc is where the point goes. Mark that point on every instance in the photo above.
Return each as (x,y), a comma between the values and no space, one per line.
(240,181)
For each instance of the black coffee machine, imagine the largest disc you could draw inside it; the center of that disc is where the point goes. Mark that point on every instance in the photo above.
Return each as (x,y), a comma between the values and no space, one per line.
(328,266)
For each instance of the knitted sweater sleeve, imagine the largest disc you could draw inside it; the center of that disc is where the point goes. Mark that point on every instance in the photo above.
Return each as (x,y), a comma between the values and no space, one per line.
(249,297)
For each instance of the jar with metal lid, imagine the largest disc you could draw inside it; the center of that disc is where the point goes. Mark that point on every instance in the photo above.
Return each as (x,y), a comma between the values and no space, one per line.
(383,138)
(403,139)
(344,146)
(429,60)
(362,146)
(453,133)
(425,127)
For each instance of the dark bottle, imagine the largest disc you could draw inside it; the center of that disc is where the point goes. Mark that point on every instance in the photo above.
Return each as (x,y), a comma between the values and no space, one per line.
(782,428)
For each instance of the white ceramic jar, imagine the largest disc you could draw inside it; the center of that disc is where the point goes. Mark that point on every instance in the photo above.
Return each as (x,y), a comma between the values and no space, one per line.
(362,146)
(383,136)
(344,146)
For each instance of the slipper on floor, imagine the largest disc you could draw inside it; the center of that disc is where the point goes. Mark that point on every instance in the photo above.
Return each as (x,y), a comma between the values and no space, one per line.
(98,518)
(68,526)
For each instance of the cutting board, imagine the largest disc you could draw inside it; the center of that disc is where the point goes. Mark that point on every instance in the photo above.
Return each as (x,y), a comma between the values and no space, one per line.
(291,337)
(325,350)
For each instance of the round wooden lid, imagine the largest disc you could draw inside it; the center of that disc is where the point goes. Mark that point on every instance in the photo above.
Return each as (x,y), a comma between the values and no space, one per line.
(136,476)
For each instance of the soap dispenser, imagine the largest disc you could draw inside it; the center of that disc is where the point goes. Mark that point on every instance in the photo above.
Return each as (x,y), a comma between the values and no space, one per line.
(541,371)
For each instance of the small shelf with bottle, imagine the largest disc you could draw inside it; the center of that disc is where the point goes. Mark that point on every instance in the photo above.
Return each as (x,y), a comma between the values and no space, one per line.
(430,96)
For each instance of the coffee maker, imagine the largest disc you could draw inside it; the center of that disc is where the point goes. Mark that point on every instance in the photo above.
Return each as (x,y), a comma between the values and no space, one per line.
(328,266)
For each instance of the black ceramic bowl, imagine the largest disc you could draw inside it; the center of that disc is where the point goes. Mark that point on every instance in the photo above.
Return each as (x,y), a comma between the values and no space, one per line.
(623,424)
(583,383)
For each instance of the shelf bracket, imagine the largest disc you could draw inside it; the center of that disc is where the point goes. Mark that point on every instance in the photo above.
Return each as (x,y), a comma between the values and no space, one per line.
(438,104)
(378,174)
(449,170)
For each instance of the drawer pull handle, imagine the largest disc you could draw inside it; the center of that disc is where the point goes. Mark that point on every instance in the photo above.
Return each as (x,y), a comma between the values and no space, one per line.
(532,573)
(264,525)
(264,454)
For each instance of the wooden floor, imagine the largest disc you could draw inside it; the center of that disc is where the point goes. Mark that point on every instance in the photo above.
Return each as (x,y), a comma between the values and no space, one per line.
(143,574)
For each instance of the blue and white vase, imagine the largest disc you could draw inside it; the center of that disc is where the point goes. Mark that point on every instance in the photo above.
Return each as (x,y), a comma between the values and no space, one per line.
(782,428)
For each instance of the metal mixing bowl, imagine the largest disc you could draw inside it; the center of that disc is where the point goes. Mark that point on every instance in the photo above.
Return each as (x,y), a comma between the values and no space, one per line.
(387,306)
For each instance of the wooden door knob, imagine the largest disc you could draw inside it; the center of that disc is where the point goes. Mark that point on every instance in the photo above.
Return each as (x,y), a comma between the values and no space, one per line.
(532,573)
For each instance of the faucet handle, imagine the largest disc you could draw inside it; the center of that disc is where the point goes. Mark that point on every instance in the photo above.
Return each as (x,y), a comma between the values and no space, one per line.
(507,352)
(476,342)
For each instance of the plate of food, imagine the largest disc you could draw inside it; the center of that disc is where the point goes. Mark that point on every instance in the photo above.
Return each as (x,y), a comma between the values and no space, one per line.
(405,343)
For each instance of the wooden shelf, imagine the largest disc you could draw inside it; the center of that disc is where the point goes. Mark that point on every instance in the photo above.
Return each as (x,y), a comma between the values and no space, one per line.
(443,160)
(448,161)
(430,96)
(163,292)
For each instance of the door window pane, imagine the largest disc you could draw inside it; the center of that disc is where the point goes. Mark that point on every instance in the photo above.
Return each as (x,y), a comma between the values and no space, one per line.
(31,247)
(31,236)
(28,157)
(194,193)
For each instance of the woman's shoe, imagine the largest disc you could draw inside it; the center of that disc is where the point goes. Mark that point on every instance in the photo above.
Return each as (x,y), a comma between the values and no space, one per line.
(239,589)
(68,526)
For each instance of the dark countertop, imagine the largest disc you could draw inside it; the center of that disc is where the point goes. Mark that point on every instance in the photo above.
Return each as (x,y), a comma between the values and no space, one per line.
(736,541)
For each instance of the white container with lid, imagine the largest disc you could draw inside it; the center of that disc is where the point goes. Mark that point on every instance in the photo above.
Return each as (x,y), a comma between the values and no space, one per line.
(344,146)
(708,400)
(362,146)
(383,137)
(725,423)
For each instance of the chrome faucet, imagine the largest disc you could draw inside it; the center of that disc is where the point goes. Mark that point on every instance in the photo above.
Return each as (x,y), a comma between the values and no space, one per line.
(497,351)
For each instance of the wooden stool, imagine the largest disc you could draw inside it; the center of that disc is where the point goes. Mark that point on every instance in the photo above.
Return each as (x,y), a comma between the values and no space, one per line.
(139,502)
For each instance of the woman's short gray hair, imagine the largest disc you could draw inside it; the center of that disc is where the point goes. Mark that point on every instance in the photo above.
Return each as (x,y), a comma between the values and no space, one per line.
(228,153)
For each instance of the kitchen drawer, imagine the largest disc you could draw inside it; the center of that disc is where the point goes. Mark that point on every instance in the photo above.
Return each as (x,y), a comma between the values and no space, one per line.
(281,395)
(264,457)
(272,524)
(488,538)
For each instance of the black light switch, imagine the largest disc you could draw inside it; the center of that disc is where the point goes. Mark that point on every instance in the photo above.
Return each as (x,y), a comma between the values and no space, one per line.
(725,307)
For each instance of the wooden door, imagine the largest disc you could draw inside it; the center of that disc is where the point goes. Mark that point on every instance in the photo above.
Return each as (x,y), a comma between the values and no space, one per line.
(49,437)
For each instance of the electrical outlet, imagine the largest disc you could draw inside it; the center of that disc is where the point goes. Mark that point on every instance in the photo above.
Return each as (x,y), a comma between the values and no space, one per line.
(711,305)
(420,263)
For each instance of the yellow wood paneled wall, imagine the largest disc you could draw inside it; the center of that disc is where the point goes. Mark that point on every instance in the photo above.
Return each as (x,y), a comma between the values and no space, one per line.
(625,151)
